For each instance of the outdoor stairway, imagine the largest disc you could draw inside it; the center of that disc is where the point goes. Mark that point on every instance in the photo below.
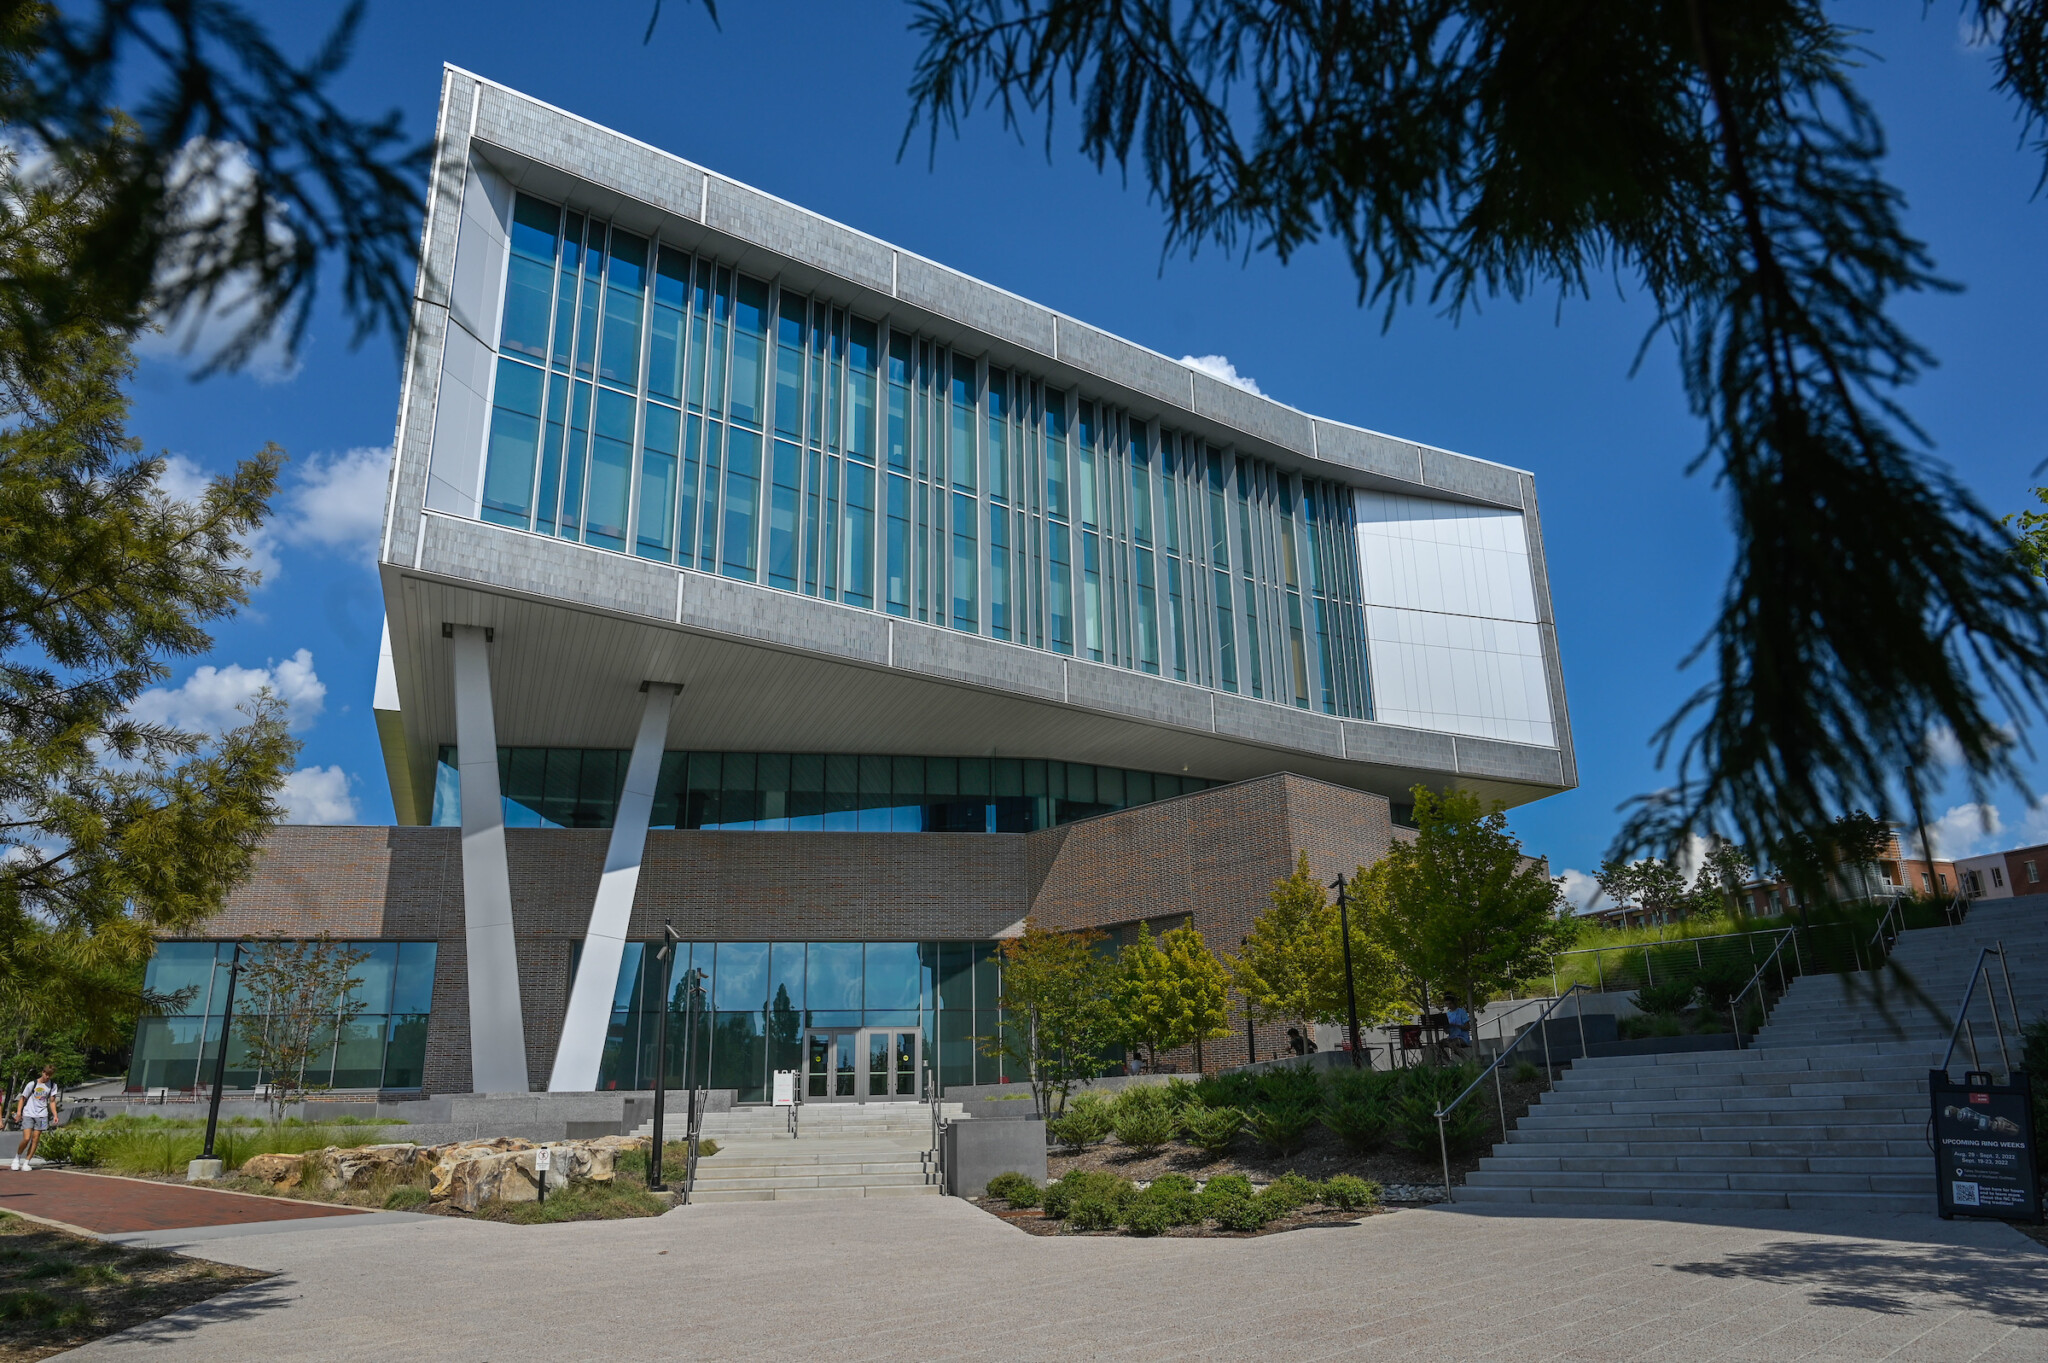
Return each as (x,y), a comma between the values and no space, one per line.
(1826,1111)
(841,1150)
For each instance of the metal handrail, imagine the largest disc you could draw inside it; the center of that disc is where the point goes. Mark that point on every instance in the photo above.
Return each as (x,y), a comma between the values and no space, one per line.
(1734,1015)
(1443,1141)
(1962,1026)
(1649,975)
(936,1168)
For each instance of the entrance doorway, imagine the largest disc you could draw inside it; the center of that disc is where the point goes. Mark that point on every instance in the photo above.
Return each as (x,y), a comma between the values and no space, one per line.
(862,1064)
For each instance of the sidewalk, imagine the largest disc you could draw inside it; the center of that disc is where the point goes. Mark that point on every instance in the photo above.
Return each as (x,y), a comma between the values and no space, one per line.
(99,1204)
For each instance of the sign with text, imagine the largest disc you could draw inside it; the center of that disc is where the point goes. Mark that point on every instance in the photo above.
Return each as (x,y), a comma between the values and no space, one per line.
(542,1158)
(785,1088)
(1984,1147)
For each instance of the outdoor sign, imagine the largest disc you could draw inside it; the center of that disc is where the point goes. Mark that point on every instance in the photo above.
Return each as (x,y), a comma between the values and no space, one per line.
(785,1088)
(1984,1147)
(543,1156)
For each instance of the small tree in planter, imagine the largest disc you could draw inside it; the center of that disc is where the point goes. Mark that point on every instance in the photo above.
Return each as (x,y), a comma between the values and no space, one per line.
(1170,992)
(294,996)
(1057,989)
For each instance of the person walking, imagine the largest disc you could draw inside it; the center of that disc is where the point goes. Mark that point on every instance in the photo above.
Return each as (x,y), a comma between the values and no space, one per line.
(35,1109)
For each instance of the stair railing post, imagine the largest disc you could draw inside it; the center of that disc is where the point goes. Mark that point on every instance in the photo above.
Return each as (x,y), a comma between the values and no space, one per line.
(1549,1071)
(1443,1144)
(1997,1023)
(1579,1007)
(1598,974)
(2010,1002)
(1500,1098)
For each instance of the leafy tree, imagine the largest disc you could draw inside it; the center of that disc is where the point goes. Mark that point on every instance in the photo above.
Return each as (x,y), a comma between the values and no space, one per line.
(115,829)
(1720,155)
(292,997)
(1463,908)
(1292,964)
(1171,992)
(1651,883)
(1059,992)
(1815,860)
(1279,968)
(221,173)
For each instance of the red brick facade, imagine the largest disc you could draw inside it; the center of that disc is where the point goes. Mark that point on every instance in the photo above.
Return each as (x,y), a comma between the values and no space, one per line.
(1211,857)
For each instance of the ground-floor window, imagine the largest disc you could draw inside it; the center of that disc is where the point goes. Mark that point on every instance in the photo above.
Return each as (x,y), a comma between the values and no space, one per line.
(767,1006)
(384,1046)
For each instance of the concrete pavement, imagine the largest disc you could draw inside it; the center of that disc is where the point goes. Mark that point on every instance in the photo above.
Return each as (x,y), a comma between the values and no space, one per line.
(937,1278)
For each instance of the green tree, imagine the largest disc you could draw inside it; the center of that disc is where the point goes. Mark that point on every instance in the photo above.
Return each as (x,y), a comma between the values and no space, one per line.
(1721,155)
(1058,990)
(1464,909)
(293,996)
(1280,967)
(1171,992)
(221,173)
(1651,883)
(116,829)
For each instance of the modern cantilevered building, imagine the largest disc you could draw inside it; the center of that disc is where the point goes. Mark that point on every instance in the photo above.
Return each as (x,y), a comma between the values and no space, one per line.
(745,572)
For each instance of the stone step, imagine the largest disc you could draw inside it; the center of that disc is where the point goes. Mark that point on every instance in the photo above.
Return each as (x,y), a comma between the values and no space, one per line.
(812,1194)
(1891,1134)
(1702,1198)
(1732,1164)
(1775,1184)
(892,1180)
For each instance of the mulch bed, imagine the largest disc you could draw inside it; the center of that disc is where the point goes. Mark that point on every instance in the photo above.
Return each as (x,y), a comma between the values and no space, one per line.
(1322,1155)
(59,1290)
(1033,1221)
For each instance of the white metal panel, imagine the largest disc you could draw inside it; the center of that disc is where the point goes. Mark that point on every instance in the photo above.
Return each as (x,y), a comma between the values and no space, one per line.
(455,473)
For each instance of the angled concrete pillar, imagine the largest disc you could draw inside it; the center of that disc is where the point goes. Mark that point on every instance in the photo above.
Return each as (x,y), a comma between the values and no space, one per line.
(581,1048)
(497,1031)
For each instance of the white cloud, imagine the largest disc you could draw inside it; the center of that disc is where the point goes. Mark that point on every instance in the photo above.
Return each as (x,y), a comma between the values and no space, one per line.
(211,178)
(208,700)
(336,501)
(1220,367)
(1580,888)
(318,795)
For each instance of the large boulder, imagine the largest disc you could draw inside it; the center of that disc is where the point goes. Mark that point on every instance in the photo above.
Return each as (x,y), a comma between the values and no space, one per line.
(468,1177)
(361,1166)
(283,1170)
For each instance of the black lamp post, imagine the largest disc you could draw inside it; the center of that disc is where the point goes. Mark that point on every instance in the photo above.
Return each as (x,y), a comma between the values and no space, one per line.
(220,1061)
(667,957)
(1251,1038)
(1350,983)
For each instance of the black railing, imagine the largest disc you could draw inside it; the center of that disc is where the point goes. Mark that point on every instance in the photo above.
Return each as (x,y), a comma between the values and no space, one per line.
(1540,1024)
(1962,1030)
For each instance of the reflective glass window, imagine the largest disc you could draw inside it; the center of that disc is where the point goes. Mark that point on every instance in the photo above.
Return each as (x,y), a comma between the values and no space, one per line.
(749,341)
(515,441)
(611,463)
(659,446)
(833,975)
(892,975)
(742,976)
(742,489)
(530,277)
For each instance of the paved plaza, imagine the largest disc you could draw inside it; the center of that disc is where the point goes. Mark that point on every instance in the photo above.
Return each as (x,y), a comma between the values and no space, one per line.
(937,1278)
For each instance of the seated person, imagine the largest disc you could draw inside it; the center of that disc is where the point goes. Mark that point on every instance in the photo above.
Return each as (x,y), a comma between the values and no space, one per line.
(1458,1022)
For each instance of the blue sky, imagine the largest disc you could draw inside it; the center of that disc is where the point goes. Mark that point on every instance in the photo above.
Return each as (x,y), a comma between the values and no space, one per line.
(806,101)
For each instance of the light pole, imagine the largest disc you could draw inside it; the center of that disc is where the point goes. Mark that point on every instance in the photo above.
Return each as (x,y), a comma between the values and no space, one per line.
(693,990)
(667,957)
(1350,983)
(220,1074)
(1251,1038)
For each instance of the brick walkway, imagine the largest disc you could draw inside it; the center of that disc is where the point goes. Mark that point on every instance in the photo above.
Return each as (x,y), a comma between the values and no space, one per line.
(97,1202)
(877,1280)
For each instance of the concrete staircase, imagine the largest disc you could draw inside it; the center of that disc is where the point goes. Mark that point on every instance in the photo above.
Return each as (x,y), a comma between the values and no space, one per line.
(841,1150)
(1827,1110)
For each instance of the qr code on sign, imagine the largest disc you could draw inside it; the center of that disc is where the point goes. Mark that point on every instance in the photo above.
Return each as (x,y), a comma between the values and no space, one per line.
(1965,1195)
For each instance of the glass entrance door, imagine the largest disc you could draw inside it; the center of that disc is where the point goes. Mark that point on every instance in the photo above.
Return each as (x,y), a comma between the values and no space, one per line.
(861,1065)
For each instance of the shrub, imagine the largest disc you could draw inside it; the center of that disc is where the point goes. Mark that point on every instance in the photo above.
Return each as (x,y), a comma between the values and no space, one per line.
(80,1143)
(1526,1073)
(1291,1191)
(1141,1118)
(1347,1086)
(1222,1191)
(1014,1188)
(1080,1186)
(1284,1128)
(1664,1024)
(1290,1086)
(1667,996)
(1211,1129)
(1423,1090)
(1179,1183)
(405,1197)
(1085,1120)
(1348,1192)
(1245,1213)
(1181,1095)
(1227,1090)
(1167,1203)
(1360,1123)
(1721,981)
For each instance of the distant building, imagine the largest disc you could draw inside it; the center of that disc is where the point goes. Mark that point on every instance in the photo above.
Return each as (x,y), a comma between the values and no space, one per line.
(2001,875)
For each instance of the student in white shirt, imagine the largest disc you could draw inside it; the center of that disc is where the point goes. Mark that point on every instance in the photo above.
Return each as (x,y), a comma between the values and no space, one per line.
(35,1109)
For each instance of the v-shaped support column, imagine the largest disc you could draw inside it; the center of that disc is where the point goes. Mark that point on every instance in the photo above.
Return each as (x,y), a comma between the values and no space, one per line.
(589,1016)
(497,1031)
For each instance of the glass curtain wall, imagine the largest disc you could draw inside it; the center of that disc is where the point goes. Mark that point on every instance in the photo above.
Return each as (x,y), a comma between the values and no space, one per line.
(810,792)
(653,401)
(761,996)
(384,1047)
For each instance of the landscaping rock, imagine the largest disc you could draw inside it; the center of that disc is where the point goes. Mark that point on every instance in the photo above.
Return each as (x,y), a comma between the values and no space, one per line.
(362,1165)
(283,1170)
(467,1179)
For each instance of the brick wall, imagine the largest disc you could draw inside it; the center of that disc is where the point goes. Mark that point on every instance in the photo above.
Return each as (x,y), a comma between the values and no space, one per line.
(1210,858)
